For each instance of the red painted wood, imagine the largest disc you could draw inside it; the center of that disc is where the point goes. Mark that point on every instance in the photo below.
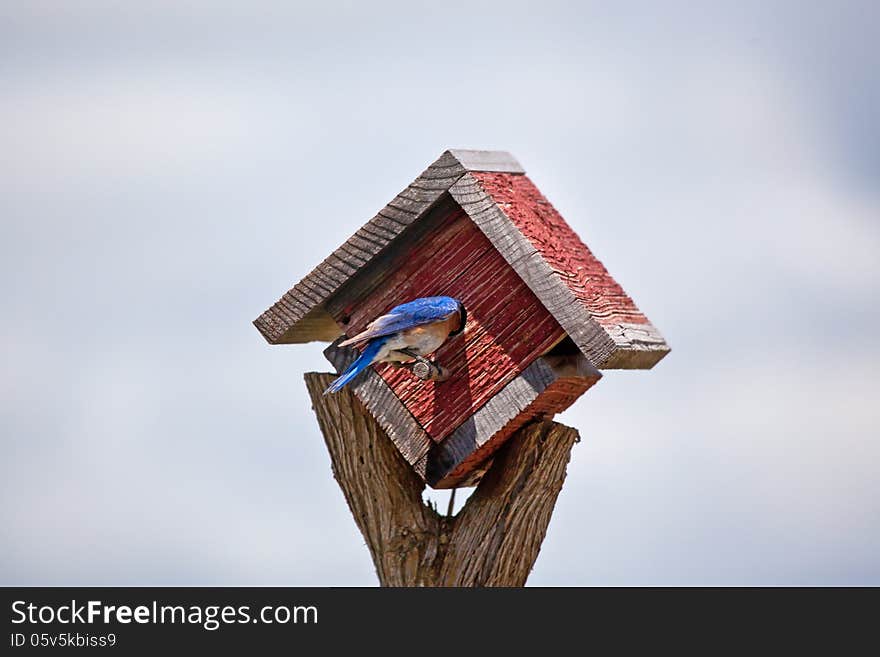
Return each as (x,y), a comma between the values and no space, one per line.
(507,328)
(561,247)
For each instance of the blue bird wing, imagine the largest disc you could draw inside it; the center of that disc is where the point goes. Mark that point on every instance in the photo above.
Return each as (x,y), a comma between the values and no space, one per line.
(426,310)
(359,365)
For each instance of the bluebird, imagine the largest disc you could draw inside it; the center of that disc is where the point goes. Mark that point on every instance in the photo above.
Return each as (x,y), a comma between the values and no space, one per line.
(409,332)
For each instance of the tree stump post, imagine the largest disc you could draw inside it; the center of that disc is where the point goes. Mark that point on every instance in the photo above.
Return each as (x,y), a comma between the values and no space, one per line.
(493,541)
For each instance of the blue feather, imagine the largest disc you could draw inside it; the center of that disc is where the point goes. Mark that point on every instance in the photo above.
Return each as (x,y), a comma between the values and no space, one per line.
(363,362)
(408,315)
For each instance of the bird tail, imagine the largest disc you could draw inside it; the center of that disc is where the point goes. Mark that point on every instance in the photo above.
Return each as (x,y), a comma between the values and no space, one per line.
(363,362)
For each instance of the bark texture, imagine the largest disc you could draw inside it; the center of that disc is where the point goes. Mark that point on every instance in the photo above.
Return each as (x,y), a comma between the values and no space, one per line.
(493,541)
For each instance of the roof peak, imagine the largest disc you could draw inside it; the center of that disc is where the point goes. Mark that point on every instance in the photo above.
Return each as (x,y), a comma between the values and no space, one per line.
(494,161)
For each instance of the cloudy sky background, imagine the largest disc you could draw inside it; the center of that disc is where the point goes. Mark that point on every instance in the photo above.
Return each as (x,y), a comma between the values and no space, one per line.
(170,168)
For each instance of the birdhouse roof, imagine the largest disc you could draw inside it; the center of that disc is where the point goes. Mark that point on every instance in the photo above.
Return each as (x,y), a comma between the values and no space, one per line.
(532,237)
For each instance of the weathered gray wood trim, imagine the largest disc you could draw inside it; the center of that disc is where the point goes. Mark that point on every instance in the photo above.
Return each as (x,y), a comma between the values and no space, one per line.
(384,264)
(378,397)
(497,161)
(640,347)
(315,325)
(281,322)
(502,409)
(299,315)
(601,347)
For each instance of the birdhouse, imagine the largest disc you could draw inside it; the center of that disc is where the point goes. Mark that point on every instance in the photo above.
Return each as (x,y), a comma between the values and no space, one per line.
(543,314)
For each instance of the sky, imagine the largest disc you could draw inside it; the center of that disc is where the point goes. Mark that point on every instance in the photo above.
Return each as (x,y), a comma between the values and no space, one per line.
(170,169)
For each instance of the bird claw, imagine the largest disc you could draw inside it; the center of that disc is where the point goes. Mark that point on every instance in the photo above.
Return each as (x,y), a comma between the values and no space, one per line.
(430,371)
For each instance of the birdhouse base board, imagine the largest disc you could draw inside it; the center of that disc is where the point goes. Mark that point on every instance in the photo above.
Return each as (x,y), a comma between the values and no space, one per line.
(547,387)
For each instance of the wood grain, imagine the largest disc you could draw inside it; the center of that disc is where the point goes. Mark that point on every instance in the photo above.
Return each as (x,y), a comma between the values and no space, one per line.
(522,225)
(374,393)
(547,387)
(300,315)
(560,269)
(283,321)
(500,161)
(493,541)
(508,327)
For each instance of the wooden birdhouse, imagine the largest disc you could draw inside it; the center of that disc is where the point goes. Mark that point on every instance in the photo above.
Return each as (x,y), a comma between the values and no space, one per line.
(543,314)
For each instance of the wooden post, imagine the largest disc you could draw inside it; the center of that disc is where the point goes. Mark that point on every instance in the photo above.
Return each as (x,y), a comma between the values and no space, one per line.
(493,541)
